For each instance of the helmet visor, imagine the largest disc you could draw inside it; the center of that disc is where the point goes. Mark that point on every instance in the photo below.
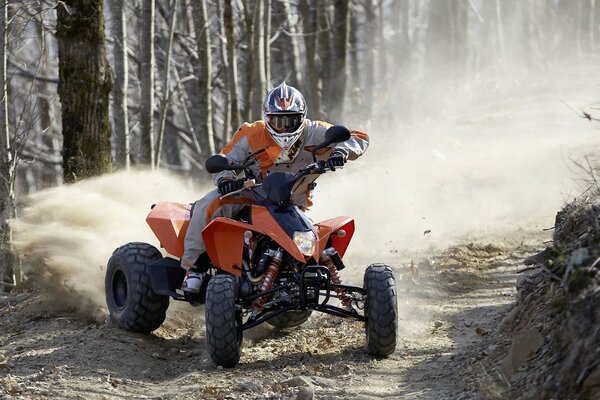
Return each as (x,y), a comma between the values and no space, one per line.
(285,122)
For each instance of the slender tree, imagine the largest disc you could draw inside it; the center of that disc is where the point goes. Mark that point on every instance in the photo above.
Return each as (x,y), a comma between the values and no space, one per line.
(204,72)
(325,56)
(146,155)
(311,82)
(236,117)
(250,9)
(84,88)
(119,104)
(225,63)
(291,21)
(341,36)
(259,80)
(6,165)
(166,83)
(267,43)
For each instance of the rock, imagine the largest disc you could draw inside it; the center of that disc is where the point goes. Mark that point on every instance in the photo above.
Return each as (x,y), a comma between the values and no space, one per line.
(593,380)
(296,381)
(247,386)
(522,348)
(306,393)
(480,331)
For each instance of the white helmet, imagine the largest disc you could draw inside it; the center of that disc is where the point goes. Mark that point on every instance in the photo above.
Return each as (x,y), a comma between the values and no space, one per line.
(284,111)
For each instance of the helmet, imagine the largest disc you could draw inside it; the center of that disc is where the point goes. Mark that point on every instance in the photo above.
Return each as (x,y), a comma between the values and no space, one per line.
(284,111)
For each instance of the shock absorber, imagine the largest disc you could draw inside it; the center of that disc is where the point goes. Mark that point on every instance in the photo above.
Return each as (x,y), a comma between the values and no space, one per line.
(327,259)
(270,276)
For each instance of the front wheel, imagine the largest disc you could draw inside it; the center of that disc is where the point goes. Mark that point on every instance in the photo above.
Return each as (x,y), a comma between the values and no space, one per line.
(381,310)
(131,301)
(223,321)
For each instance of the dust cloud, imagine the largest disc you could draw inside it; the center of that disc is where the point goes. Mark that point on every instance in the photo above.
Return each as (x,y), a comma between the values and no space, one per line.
(492,156)
(485,163)
(66,235)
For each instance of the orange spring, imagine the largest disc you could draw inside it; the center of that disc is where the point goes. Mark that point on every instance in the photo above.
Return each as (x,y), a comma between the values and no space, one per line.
(336,280)
(267,283)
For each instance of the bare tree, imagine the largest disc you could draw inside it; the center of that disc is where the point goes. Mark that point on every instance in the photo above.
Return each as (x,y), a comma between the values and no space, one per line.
(121,81)
(204,73)
(291,21)
(6,165)
(147,83)
(341,36)
(84,87)
(225,63)
(166,83)
(267,43)
(258,80)
(309,24)
(250,9)
(236,117)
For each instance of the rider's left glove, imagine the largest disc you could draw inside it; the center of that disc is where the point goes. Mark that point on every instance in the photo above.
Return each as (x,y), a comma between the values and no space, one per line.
(337,159)
(226,185)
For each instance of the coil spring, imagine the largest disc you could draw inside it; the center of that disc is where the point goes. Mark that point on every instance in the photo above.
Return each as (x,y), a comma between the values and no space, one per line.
(344,298)
(269,280)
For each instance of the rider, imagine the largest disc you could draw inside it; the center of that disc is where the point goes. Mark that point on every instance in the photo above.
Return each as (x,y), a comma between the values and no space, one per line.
(282,141)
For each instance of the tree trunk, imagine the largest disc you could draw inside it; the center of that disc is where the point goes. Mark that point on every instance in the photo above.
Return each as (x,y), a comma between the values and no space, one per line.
(119,104)
(369,58)
(51,174)
(7,198)
(296,77)
(258,83)
(204,74)
(84,88)
(309,23)
(325,55)
(460,36)
(146,155)
(341,36)
(167,85)
(227,83)
(250,8)
(267,43)
(236,118)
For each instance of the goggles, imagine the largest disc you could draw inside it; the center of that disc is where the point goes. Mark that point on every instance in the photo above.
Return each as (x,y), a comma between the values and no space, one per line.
(285,122)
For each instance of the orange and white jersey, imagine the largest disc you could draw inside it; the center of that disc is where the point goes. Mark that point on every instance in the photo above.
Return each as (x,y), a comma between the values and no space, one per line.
(253,141)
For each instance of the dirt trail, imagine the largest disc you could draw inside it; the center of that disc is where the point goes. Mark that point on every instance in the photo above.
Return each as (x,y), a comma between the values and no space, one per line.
(447,303)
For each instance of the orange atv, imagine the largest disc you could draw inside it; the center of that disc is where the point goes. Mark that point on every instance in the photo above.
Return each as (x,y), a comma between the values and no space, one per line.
(271,265)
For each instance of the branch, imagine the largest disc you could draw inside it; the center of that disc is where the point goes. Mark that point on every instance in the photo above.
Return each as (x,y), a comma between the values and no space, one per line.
(26,73)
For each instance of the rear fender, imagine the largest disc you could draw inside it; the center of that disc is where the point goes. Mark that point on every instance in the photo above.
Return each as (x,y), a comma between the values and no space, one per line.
(169,222)
(328,229)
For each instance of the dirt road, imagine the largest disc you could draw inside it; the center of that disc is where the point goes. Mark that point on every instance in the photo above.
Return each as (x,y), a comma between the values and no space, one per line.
(448,303)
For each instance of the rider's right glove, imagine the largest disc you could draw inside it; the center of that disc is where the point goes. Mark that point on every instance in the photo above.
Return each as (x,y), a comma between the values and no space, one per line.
(229,185)
(337,159)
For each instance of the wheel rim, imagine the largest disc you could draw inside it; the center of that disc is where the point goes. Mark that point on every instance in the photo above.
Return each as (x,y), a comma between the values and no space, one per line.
(120,289)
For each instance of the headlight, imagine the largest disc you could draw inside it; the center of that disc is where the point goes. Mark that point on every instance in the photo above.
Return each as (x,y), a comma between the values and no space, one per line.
(306,242)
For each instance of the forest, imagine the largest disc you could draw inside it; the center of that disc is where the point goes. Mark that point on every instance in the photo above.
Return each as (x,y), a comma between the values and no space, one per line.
(94,86)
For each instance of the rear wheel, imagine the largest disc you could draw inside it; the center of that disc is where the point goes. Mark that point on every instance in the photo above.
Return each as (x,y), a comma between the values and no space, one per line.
(223,321)
(132,303)
(381,310)
(290,319)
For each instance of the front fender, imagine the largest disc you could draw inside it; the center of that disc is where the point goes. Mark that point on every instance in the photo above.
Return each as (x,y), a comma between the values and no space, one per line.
(224,240)
(328,229)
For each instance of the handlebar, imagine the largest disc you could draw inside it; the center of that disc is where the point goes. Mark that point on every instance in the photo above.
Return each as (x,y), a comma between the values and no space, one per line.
(320,167)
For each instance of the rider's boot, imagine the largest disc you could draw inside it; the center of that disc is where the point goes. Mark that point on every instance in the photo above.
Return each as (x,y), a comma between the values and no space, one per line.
(192,281)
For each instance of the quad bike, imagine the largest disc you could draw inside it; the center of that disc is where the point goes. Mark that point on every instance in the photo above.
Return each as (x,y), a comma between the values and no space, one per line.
(272,264)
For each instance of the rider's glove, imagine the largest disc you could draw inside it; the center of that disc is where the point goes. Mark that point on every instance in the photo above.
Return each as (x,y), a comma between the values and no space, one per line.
(337,159)
(229,185)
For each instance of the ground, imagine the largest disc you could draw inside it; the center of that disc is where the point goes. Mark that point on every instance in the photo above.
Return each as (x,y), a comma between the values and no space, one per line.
(449,305)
